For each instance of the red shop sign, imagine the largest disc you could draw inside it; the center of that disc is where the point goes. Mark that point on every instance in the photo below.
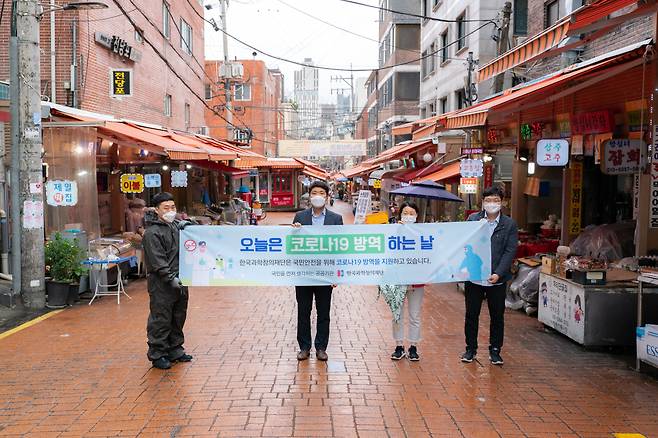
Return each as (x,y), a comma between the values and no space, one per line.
(488,176)
(596,122)
(282,201)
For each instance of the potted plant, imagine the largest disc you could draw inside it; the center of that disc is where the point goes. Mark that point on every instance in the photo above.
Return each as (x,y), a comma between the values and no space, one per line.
(63,264)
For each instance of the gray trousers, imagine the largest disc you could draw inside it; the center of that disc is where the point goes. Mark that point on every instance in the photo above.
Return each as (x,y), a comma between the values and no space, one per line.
(413,302)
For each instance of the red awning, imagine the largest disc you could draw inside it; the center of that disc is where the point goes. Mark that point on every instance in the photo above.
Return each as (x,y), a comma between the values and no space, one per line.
(314,173)
(447,172)
(360,169)
(221,167)
(400,151)
(412,174)
(586,23)
(272,163)
(600,68)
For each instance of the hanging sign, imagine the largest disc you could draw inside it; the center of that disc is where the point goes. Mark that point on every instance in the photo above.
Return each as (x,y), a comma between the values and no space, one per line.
(152,180)
(117,45)
(552,152)
(179,178)
(468,186)
(472,151)
(488,175)
(636,195)
(363,206)
(575,201)
(621,156)
(377,184)
(592,123)
(132,183)
(471,168)
(62,193)
(653,214)
(121,83)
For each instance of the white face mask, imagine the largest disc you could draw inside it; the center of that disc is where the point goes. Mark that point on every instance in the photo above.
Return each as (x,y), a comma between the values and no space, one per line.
(169,216)
(408,219)
(318,201)
(492,207)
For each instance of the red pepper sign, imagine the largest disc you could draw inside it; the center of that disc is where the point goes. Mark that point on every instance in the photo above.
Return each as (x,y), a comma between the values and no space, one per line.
(132,183)
(622,156)
(592,123)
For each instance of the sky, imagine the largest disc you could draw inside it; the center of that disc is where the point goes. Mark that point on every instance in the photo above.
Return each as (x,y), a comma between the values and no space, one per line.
(277,28)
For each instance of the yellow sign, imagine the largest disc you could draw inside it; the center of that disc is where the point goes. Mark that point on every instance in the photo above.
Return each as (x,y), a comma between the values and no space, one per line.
(377,218)
(132,183)
(121,83)
(377,184)
(575,202)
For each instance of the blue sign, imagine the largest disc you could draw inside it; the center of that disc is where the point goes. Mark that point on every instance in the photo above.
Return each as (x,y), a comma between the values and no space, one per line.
(153,180)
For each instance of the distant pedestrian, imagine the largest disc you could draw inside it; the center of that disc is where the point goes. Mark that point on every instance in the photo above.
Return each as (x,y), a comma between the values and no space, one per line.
(413,295)
(168,298)
(317,216)
(504,241)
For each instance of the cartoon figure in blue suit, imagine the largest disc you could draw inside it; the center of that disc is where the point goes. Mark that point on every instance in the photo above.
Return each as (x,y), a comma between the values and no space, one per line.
(472,264)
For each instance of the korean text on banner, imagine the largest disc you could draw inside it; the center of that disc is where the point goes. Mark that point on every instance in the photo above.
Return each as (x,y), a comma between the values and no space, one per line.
(351,254)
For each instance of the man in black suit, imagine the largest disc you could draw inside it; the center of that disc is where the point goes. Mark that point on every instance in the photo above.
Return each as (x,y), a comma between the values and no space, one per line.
(504,241)
(317,215)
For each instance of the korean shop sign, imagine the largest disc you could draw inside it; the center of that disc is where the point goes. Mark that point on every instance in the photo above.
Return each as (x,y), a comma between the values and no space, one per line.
(552,152)
(468,186)
(653,213)
(118,46)
(576,198)
(596,122)
(132,183)
(121,83)
(153,180)
(471,168)
(62,193)
(621,156)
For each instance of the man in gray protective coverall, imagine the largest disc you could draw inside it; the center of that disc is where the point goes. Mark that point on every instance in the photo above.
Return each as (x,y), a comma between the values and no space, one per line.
(168,298)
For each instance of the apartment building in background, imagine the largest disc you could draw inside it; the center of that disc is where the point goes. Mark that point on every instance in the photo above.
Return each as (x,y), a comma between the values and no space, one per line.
(82,49)
(257,114)
(306,92)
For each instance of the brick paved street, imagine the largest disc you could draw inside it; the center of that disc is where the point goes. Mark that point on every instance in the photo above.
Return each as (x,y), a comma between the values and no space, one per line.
(84,372)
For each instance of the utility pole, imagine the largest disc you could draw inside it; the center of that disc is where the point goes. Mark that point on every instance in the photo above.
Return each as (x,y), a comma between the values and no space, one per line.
(503,43)
(227,71)
(28,266)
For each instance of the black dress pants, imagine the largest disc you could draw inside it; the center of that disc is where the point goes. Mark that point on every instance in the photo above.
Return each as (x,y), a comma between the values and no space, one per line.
(168,311)
(495,296)
(305,296)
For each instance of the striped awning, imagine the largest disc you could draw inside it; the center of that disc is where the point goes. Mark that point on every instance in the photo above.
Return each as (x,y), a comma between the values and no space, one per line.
(467,119)
(526,51)
(448,171)
(585,24)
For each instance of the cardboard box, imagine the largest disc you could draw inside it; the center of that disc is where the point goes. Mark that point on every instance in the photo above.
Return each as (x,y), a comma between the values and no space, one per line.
(647,343)
(548,265)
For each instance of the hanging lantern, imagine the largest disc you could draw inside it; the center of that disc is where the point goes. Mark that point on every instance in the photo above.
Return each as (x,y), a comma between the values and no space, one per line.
(492,136)
(427,157)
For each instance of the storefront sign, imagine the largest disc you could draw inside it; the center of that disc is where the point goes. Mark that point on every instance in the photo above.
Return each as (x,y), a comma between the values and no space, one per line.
(563,124)
(472,151)
(179,178)
(562,306)
(653,216)
(621,156)
(575,203)
(282,200)
(577,145)
(32,215)
(377,184)
(351,254)
(363,206)
(468,186)
(636,195)
(62,193)
(488,175)
(552,152)
(132,183)
(592,123)
(152,180)
(118,46)
(637,115)
(121,83)
(471,168)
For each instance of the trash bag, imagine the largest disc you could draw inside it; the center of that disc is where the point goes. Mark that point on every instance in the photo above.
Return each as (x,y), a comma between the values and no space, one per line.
(525,288)
(394,296)
(604,242)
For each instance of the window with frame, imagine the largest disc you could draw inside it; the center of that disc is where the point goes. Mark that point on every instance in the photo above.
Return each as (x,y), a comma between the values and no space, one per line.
(166,24)
(431,109)
(424,64)
(187,116)
(242,135)
(427,8)
(460,95)
(139,35)
(435,3)
(551,13)
(461,31)
(386,93)
(444,49)
(186,37)
(167,105)
(443,105)
(432,57)
(242,92)
(520,17)
(282,182)
(208,91)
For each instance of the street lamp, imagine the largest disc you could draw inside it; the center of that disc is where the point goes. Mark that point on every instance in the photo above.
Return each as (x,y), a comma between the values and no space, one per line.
(73,6)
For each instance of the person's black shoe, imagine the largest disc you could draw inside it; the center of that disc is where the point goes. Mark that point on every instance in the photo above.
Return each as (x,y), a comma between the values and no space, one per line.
(162,364)
(413,354)
(495,357)
(184,358)
(468,356)
(399,353)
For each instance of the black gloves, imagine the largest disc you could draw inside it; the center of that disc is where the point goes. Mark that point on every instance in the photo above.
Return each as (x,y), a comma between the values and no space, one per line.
(176,284)
(183,224)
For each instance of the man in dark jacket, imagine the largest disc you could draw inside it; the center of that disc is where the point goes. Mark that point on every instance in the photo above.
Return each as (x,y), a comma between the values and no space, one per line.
(504,241)
(317,215)
(168,298)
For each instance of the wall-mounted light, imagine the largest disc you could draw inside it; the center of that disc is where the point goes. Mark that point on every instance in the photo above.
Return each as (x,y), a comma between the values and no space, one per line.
(82,173)
(523,158)
(188,166)
(427,157)
(531,168)
(487,158)
(165,168)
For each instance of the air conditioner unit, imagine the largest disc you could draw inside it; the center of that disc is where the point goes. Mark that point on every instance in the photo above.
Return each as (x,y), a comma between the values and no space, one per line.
(237,70)
(204,130)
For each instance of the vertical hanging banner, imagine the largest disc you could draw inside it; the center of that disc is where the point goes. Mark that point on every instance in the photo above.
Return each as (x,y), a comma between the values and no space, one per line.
(350,254)
(488,176)
(653,213)
(363,206)
(575,202)
(636,195)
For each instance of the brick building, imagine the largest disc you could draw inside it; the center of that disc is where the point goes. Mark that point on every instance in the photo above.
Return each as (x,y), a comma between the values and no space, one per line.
(257,106)
(83,60)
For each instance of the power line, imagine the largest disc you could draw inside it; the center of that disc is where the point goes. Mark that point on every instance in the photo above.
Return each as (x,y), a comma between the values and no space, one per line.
(410,14)
(340,28)
(319,67)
